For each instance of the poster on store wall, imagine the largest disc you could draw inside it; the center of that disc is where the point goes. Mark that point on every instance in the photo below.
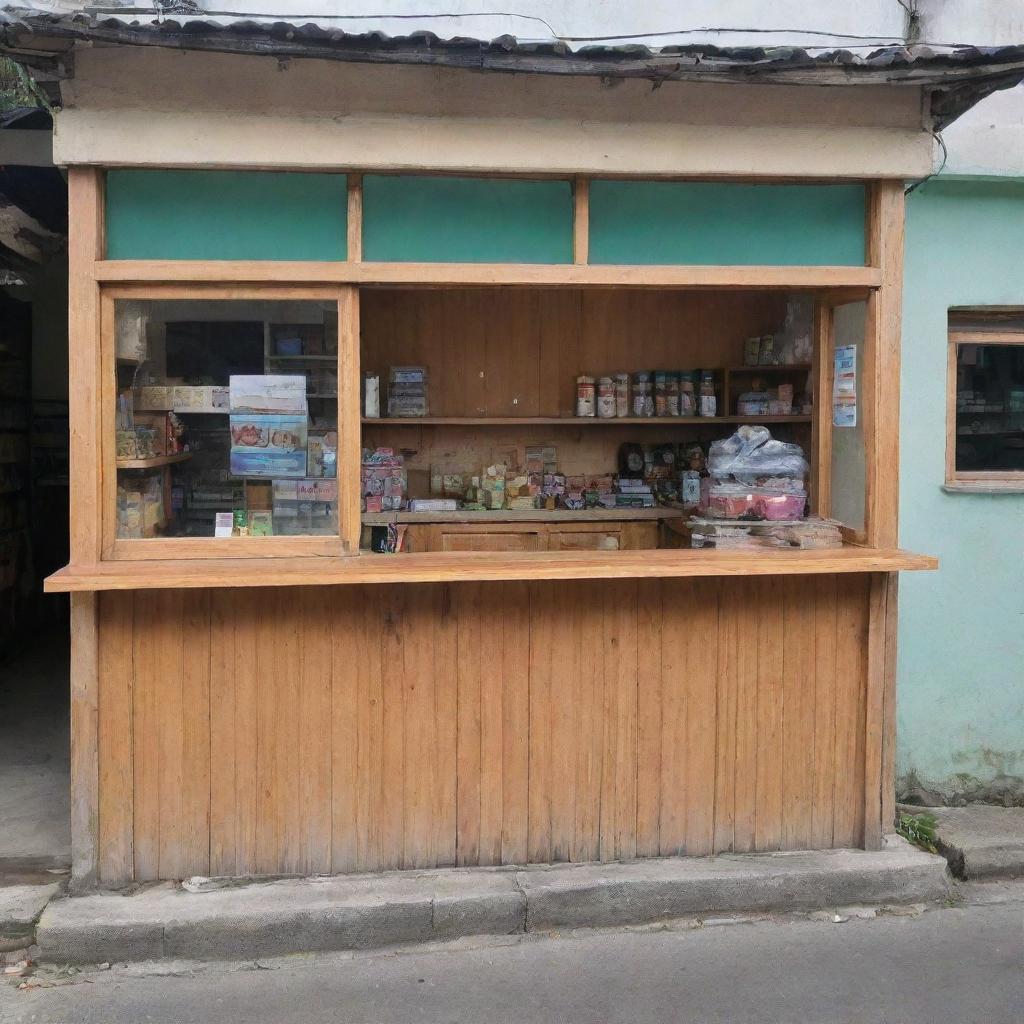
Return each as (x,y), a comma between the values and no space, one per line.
(844,387)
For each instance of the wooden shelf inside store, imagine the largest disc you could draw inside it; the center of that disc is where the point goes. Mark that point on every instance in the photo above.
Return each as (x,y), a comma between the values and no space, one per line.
(573,421)
(159,460)
(539,515)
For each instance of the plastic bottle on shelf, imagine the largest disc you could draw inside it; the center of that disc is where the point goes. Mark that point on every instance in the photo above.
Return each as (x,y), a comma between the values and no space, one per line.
(708,401)
(585,396)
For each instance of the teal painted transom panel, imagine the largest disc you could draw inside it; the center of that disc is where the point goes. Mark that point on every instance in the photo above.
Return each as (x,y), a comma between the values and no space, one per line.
(418,219)
(226,215)
(721,224)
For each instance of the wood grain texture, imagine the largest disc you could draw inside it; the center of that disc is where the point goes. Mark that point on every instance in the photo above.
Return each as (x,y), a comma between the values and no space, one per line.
(855,280)
(481,566)
(362,728)
(85,248)
(886,220)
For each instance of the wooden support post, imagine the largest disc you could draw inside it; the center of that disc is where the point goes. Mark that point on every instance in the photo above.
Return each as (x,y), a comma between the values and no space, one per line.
(85,247)
(581,222)
(882,364)
(84,740)
(355,218)
(349,422)
(821,423)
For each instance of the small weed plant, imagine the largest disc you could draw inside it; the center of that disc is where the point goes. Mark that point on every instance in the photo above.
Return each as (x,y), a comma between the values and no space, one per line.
(918,829)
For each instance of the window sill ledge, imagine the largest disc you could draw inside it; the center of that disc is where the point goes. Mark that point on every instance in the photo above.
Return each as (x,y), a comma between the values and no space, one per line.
(472,567)
(984,487)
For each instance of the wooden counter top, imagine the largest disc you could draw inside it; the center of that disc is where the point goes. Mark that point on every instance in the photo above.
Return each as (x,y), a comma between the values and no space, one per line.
(473,566)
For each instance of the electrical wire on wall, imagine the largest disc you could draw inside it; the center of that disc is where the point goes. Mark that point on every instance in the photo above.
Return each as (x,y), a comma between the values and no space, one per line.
(844,39)
(937,136)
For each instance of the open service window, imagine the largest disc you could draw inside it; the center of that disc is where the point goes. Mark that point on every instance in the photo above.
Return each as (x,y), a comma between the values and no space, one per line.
(225,424)
(985,402)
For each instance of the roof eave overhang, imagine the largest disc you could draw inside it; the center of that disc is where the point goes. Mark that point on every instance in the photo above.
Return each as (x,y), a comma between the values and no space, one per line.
(954,81)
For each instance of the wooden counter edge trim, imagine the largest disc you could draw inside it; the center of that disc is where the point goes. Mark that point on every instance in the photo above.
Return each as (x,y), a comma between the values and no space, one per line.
(485,274)
(466,567)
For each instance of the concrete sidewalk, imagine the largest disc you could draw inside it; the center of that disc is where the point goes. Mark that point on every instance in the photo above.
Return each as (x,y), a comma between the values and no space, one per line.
(261,919)
(979,841)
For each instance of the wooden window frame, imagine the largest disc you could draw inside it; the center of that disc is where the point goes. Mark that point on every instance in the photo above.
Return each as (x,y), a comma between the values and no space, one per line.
(981,480)
(346,541)
(95,280)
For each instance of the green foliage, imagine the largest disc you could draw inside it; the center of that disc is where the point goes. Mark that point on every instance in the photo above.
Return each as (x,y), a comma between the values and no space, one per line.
(16,88)
(918,829)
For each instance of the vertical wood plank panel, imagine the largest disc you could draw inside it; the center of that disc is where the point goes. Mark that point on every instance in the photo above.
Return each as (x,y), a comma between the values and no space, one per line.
(195,763)
(270,852)
(747,717)
(888,782)
(492,689)
(342,650)
(289,671)
(392,627)
(649,717)
(677,606)
(798,714)
(113,676)
(851,641)
(170,653)
(874,706)
(729,631)
(316,735)
(544,660)
(145,741)
(468,597)
(245,620)
(619,755)
(565,737)
(420,730)
(825,654)
(589,607)
(515,764)
(700,675)
(223,816)
(446,695)
(770,696)
(364,628)
(484,723)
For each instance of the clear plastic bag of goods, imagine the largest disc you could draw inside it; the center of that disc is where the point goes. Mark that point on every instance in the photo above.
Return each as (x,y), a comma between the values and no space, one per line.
(734,501)
(753,456)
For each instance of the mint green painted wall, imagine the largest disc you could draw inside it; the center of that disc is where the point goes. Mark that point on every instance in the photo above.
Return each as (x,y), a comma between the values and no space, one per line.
(422,219)
(226,215)
(961,634)
(716,223)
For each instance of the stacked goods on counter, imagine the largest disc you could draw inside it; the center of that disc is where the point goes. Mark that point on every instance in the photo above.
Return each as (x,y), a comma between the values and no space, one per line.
(140,506)
(384,481)
(736,534)
(407,391)
(752,476)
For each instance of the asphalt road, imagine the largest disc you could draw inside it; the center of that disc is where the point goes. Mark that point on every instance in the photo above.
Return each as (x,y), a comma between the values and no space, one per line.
(962,964)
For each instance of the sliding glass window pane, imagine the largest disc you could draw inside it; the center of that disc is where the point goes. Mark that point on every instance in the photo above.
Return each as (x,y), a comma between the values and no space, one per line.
(990,408)
(226,418)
